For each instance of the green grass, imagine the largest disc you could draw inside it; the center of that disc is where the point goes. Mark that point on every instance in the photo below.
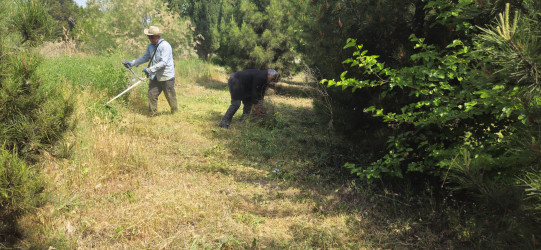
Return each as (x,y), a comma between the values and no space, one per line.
(99,73)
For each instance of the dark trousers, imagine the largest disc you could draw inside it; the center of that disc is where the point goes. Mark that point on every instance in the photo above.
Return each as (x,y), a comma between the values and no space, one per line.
(234,90)
(155,88)
(235,105)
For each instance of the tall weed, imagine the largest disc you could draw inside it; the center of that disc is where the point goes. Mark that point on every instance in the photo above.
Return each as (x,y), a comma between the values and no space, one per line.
(191,69)
(99,73)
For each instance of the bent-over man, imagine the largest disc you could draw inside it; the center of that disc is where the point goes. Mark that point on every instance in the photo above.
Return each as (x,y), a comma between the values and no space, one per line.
(247,86)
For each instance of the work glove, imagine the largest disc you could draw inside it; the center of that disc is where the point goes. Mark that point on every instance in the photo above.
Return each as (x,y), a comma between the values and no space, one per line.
(127,64)
(146,71)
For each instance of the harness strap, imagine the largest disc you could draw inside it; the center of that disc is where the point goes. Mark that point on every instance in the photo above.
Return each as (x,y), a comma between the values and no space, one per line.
(153,54)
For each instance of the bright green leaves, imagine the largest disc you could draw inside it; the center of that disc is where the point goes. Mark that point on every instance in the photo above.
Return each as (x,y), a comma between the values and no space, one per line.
(445,95)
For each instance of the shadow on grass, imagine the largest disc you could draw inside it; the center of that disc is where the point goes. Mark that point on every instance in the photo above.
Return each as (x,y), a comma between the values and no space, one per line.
(215,85)
(302,91)
(290,148)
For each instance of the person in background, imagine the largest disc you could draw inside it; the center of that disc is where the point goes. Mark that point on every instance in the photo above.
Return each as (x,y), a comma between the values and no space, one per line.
(247,86)
(161,74)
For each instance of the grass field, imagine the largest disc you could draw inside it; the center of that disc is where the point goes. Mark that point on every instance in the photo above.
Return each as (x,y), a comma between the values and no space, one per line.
(123,180)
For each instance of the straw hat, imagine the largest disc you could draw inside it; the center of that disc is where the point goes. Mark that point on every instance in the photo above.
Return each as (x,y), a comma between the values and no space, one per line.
(153,31)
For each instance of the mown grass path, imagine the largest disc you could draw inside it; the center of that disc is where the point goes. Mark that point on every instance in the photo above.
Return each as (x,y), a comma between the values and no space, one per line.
(123,180)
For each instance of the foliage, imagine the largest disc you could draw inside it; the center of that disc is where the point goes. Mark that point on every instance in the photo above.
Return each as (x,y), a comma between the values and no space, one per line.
(452,103)
(20,188)
(440,100)
(257,34)
(33,115)
(467,113)
(65,13)
(31,21)
(117,26)
(382,26)
(30,115)
(206,16)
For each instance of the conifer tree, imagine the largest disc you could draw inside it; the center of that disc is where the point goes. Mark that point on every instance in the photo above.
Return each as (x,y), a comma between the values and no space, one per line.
(383,26)
(31,116)
(257,34)
(205,15)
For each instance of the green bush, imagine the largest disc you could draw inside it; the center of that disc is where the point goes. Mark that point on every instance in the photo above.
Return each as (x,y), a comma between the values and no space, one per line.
(449,101)
(467,113)
(259,35)
(31,114)
(32,22)
(20,188)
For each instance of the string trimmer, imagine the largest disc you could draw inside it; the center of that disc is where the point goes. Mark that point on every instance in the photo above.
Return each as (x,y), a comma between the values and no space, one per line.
(128,66)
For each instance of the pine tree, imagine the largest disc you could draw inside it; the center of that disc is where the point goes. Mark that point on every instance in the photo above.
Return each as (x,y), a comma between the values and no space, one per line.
(383,26)
(206,16)
(257,34)
(513,45)
(31,116)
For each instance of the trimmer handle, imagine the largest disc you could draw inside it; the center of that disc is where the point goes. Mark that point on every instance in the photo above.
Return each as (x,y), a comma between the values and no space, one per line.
(127,64)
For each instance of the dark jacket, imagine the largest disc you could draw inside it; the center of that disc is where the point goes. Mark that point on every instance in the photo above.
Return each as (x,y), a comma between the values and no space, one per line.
(248,85)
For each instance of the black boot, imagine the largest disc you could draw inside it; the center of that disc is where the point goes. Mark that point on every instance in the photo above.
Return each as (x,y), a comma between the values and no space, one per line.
(223,124)
(226,120)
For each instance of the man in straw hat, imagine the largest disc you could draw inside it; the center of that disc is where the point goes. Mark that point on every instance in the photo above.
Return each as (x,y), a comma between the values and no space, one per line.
(162,71)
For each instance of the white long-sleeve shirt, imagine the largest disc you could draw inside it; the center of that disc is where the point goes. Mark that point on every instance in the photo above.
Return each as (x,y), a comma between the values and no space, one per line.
(163,66)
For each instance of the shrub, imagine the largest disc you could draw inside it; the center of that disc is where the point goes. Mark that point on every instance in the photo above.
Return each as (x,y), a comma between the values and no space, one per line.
(450,101)
(467,113)
(20,188)
(32,22)
(30,115)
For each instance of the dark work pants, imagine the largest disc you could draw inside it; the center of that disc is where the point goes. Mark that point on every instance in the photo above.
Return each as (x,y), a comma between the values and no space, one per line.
(155,88)
(235,105)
